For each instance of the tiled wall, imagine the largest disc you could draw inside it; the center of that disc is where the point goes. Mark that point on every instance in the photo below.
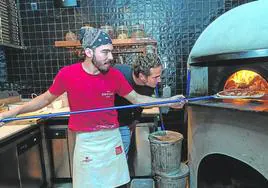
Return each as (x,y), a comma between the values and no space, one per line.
(175,24)
(3,66)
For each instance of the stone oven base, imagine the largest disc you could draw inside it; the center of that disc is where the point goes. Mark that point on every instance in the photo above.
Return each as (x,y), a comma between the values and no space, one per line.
(235,138)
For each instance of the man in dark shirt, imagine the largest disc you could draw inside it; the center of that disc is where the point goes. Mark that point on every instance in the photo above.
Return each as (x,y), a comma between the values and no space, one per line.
(143,76)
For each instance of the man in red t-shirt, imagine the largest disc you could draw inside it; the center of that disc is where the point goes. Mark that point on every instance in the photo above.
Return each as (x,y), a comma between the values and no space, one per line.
(99,159)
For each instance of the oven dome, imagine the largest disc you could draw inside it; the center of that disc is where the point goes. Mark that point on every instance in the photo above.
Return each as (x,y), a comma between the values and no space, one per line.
(240,29)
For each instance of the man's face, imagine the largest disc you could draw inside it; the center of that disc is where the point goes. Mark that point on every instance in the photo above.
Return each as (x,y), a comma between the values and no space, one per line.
(102,57)
(154,78)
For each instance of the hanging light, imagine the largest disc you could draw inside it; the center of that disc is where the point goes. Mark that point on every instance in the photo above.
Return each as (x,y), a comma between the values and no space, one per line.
(65,3)
(69,3)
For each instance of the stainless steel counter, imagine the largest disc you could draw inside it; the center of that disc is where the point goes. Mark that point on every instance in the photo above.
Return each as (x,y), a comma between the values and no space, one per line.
(12,128)
(21,158)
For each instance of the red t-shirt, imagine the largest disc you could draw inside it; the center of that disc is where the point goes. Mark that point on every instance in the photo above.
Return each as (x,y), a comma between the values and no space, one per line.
(86,91)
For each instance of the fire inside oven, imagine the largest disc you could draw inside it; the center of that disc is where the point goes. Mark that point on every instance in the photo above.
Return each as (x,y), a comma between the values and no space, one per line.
(247,80)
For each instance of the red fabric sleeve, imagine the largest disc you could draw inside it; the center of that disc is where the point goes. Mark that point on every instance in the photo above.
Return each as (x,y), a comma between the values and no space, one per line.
(124,87)
(58,86)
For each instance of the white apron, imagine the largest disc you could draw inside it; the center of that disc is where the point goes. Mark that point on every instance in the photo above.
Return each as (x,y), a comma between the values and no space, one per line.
(99,160)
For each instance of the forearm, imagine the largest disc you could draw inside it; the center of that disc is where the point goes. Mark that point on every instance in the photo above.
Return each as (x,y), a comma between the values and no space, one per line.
(136,98)
(146,99)
(33,105)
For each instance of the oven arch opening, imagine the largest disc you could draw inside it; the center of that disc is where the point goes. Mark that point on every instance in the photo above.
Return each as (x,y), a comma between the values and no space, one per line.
(222,171)
(246,79)
(217,76)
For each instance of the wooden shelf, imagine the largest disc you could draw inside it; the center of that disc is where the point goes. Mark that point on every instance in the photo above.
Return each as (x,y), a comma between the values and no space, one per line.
(116,42)
(134,50)
(131,42)
(75,43)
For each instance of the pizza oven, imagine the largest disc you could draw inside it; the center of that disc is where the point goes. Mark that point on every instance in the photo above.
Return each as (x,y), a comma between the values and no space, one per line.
(227,138)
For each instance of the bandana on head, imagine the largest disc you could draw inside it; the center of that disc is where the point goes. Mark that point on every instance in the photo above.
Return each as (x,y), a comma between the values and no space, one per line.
(92,38)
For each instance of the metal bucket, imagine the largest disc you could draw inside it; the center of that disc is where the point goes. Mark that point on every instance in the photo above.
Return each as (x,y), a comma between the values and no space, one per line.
(178,180)
(142,183)
(165,152)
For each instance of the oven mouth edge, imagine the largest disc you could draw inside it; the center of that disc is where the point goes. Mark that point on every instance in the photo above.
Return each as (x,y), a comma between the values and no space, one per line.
(241,57)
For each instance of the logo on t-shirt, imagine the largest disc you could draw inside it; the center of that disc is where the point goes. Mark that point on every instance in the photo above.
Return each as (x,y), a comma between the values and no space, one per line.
(118,150)
(107,94)
(86,160)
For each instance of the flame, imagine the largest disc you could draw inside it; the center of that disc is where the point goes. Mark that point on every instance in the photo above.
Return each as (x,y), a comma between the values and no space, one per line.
(243,77)
(246,79)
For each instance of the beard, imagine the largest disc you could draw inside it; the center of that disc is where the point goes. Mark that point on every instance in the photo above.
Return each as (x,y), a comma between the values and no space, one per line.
(99,65)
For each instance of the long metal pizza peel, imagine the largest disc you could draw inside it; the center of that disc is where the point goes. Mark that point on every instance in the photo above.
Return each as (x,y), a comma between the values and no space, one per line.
(45,116)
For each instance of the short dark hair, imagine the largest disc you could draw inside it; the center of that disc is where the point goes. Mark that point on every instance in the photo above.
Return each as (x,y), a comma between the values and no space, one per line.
(143,64)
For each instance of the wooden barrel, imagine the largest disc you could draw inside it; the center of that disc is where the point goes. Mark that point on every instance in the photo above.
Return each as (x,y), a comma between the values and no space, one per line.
(165,152)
